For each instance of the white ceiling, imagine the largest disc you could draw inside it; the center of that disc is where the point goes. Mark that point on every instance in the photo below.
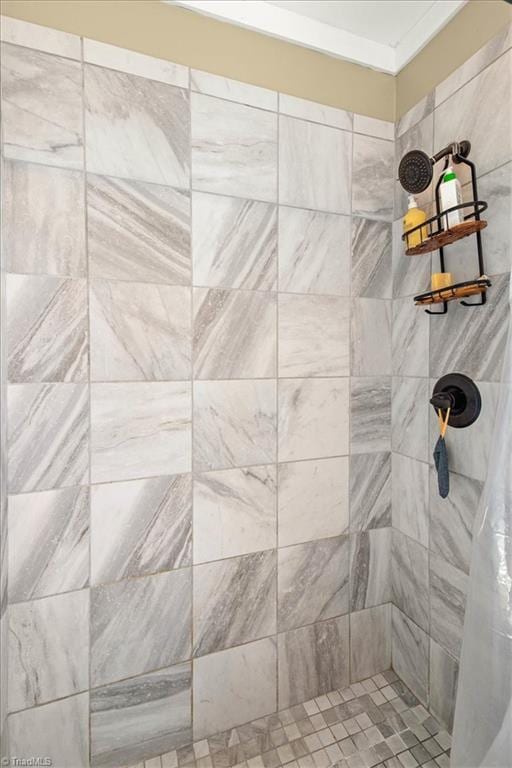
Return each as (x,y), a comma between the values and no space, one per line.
(382,34)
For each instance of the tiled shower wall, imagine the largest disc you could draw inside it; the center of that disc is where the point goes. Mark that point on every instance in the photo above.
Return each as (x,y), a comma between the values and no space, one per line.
(432,536)
(199,360)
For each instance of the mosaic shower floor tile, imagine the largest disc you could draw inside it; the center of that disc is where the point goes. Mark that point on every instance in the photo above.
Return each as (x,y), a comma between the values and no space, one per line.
(377,723)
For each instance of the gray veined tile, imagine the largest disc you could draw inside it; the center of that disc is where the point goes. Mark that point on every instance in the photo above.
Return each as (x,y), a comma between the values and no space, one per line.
(312,582)
(371,337)
(313,500)
(370,414)
(234,512)
(415,114)
(47,338)
(448,587)
(496,189)
(135,63)
(452,519)
(234,242)
(141,717)
(48,543)
(307,155)
(234,601)
(314,252)
(232,90)
(48,649)
(410,654)
(313,418)
(313,660)
(234,149)
(234,334)
(138,231)
(420,136)
(370,491)
(47,436)
(370,642)
(46,39)
(410,410)
(314,334)
(59,731)
(139,625)
(314,111)
(136,128)
(42,107)
(410,338)
(44,220)
(140,527)
(371,126)
(411,498)
(140,332)
(444,673)
(140,430)
(372,178)
(410,579)
(234,423)
(371,258)
(370,572)
(234,686)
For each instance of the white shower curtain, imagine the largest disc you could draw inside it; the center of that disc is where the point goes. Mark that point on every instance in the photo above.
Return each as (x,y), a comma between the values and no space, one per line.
(482,736)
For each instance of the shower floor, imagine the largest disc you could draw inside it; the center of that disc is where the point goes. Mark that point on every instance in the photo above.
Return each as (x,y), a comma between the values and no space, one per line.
(377,722)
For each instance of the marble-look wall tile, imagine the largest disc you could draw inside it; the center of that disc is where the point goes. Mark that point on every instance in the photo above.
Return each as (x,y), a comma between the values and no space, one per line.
(410,651)
(46,39)
(452,519)
(370,491)
(372,178)
(420,136)
(370,642)
(307,155)
(43,220)
(136,128)
(371,337)
(410,275)
(371,126)
(234,601)
(234,149)
(317,113)
(410,498)
(42,107)
(314,252)
(496,189)
(409,416)
(140,717)
(313,418)
(314,335)
(48,543)
(138,231)
(47,436)
(313,582)
(474,342)
(46,333)
(444,673)
(134,63)
(370,414)
(140,430)
(371,259)
(234,423)
(147,621)
(465,115)
(140,527)
(370,571)
(313,660)
(234,686)
(234,242)
(234,512)
(140,332)
(448,587)
(232,90)
(48,649)
(59,731)
(415,114)
(234,334)
(410,579)
(410,339)
(313,500)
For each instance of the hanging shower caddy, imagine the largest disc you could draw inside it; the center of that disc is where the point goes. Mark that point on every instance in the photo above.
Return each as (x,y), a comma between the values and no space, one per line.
(415,173)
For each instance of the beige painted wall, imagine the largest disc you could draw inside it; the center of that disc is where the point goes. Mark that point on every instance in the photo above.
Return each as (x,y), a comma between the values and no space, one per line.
(188,38)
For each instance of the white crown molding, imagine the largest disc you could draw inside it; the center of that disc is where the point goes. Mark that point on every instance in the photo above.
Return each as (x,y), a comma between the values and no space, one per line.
(310,33)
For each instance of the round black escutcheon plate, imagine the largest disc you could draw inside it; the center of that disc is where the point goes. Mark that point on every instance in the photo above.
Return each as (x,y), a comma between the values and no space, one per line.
(463,396)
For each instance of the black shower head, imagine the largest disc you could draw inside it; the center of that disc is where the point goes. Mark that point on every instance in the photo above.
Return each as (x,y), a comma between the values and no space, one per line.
(415,171)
